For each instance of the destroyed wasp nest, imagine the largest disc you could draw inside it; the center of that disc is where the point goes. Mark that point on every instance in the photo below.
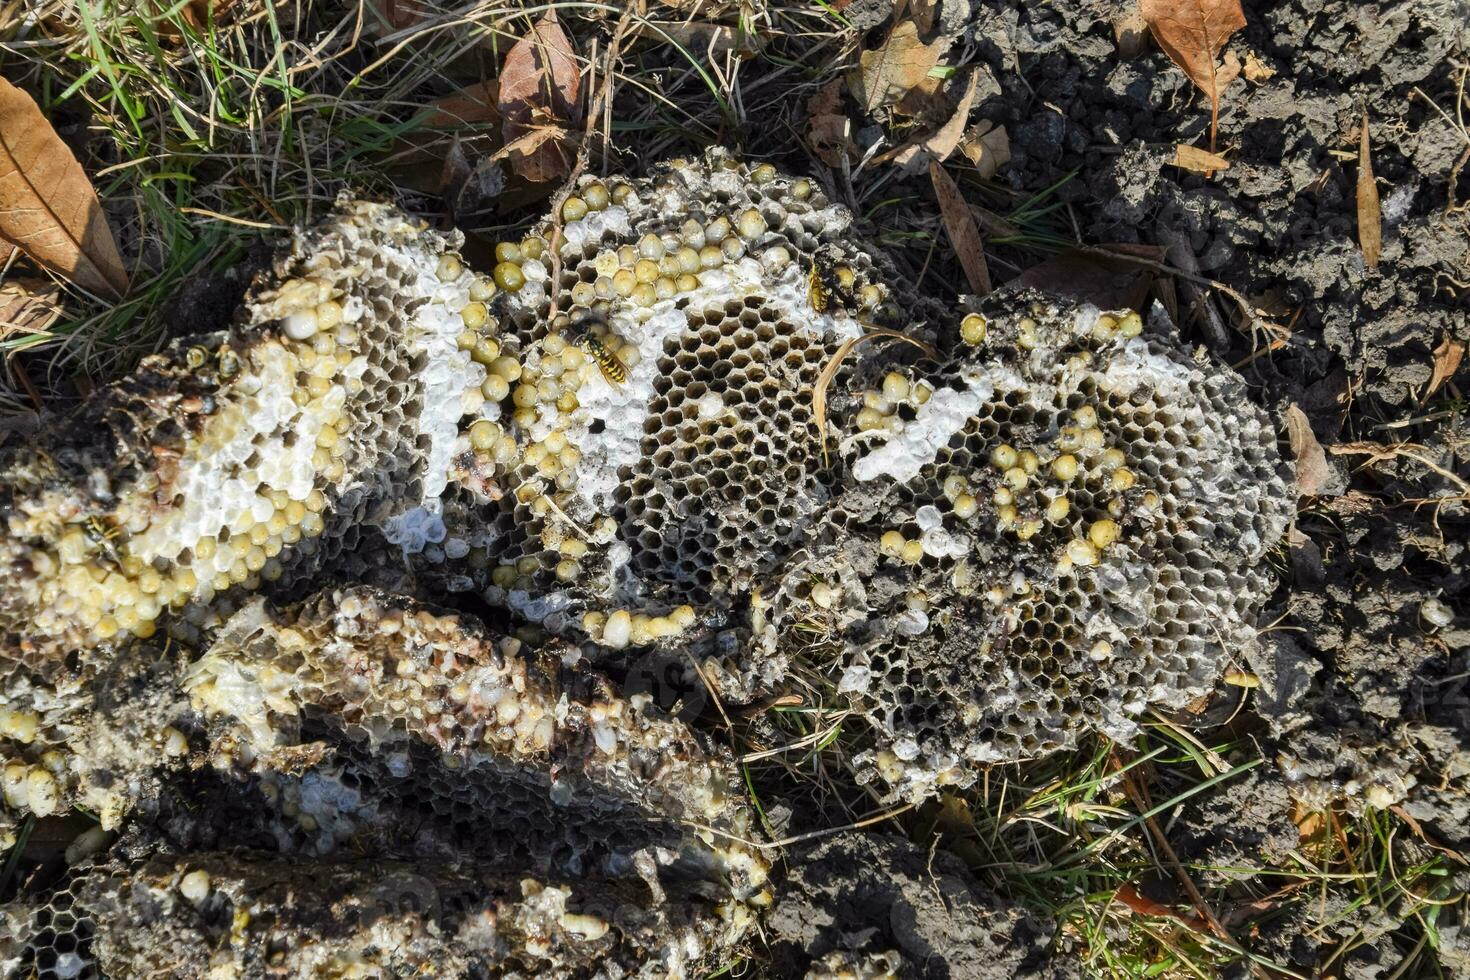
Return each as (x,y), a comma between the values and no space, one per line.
(1051,519)
(359,785)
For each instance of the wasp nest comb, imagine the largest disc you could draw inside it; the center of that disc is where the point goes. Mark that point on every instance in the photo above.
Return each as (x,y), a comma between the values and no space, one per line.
(246,457)
(1051,519)
(1061,522)
(361,785)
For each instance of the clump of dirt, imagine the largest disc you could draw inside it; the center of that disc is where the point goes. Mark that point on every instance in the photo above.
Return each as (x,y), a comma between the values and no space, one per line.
(1239,831)
(870,894)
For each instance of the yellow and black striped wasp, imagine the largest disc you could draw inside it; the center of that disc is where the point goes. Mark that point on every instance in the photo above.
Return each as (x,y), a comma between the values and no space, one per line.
(826,280)
(102,533)
(612,368)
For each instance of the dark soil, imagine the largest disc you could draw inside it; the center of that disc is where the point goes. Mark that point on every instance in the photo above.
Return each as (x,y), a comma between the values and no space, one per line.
(870,893)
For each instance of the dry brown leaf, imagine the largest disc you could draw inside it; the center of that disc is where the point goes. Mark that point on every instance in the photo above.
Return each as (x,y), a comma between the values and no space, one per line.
(196,13)
(993,224)
(1418,830)
(925,102)
(1193,33)
(1309,822)
(828,130)
(963,234)
(1143,905)
(1256,70)
(988,147)
(1093,276)
(1370,216)
(1312,469)
(1377,453)
(1447,358)
(28,305)
(539,154)
(938,145)
(469,186)
(1198,161)
(539,98)
(48,208)
(472,105)
(1130,31)
(829,371)
(902,62)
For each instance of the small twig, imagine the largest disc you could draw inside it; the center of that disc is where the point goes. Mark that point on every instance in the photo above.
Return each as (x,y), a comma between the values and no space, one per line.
(1177,273)
(584,152)
(576,528)
(1274,345)
(231,219)
(1139,796)
(709,689)
(1379,453)
(25,382)
(801,743)
(799,838)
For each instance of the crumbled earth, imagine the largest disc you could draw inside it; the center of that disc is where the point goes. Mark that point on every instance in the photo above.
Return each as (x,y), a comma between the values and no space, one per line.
(865,895)
(1240,830)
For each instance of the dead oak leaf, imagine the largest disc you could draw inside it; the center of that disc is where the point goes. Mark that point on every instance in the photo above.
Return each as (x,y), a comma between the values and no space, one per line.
(28,305)
(987,146)
(828,129)
(1198,161)
(473,105)
(469,186)
(959,223)
(924,102)
(542,152)
(539,100)
(1447,357)
(940,144)
(889,72)
(1370,214)
(1193,33)
(196,14)
(1256,70)
(1312,469)
(48,208)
